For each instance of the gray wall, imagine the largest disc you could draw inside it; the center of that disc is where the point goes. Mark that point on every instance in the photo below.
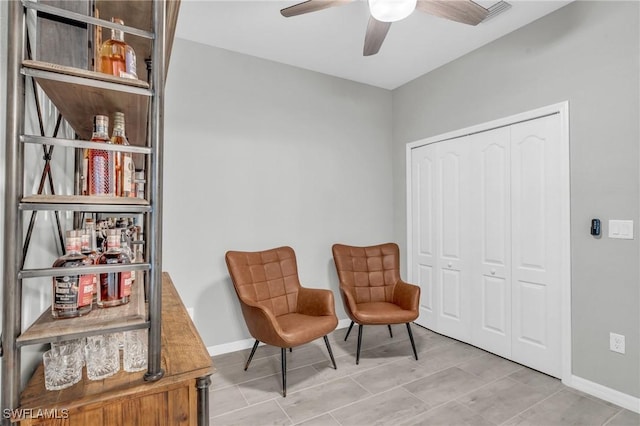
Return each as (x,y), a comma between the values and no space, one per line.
(586,53)
(258,155)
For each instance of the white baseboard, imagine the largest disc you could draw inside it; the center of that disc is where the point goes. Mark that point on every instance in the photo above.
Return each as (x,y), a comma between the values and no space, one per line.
(610,395)
(239,345)
(224,348)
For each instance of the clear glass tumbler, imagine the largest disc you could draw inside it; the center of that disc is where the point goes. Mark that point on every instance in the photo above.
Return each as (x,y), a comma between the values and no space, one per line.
(75,345)
(134,355)
(62,368)
(102,356)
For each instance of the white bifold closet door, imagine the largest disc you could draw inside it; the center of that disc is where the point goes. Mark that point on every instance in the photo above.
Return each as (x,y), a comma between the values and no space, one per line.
(486,240)
(536,244)
(441,254)
(452,251)
(490,240)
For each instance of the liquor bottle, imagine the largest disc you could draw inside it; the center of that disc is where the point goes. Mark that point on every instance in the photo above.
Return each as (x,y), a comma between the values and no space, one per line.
(100,164)
(115,287)
(84,177)
(101,236)
(98,136)
(117,57)
(125,246)
(72,294)
(124,162)
(89,249)
(139,182)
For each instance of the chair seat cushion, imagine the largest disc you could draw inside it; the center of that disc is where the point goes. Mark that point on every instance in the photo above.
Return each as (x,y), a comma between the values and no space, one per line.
(298,329)
(382,313)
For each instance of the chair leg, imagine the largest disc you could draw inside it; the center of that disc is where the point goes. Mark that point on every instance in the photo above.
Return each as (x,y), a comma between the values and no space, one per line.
(283,354)
(413,344)
(253,351)
(390,333)
(359,343)
(290,349)
(348,331)
(326,342)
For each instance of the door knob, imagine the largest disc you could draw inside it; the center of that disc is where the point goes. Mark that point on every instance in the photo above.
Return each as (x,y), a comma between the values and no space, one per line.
(493,272)
(449,264)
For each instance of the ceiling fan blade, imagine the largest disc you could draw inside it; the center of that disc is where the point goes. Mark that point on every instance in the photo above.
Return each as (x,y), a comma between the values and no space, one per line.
(311,6)
(376,32)
(464,11)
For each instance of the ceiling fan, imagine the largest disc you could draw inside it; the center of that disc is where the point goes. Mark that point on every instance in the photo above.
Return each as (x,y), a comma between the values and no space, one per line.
(385,12)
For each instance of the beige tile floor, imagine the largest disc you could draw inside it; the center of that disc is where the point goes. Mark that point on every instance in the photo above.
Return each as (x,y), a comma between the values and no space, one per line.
(452,383)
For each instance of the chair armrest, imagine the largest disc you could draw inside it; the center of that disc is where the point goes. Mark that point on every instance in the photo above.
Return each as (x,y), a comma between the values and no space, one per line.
(407,296)
(348,299)
(316,302)
(261,323)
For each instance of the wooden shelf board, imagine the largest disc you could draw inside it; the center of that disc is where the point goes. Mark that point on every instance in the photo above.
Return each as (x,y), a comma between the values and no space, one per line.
(184,357)
(80,73)
(79,103)
(114,202)
(46,328)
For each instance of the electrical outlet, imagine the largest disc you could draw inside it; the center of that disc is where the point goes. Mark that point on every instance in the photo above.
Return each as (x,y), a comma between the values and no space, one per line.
(616,342)
(191,313)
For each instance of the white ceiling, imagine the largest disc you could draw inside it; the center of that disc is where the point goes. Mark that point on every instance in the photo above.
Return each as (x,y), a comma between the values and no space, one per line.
(330,41)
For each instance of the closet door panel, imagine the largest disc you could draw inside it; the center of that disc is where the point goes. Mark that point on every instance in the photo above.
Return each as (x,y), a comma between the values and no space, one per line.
(536,244)
(490,241)
(451,295)
(423,161)
(453,232)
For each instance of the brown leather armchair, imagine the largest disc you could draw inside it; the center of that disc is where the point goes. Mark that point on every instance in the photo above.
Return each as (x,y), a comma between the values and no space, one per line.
(278,311)
(371,288)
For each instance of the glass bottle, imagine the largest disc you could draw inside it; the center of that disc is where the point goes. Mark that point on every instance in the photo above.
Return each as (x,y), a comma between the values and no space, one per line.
(84,177)
(101,236)
(72,294)
(117,57)
(89,249)
(123,161)
(115,287)
(125,246)
(100,162)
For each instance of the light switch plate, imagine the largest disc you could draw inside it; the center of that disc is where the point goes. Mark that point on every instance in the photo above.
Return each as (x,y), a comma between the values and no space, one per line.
(621,229)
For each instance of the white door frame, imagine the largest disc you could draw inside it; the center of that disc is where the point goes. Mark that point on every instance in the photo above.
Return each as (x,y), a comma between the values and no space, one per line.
(562,109)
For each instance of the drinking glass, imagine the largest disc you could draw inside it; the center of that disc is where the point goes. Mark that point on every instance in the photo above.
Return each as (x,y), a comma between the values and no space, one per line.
(102,356)
(120,338)
(62,368)
(74,345)
(134,356)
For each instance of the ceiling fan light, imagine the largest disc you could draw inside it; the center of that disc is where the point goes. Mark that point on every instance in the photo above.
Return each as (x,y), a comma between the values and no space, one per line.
(391,10)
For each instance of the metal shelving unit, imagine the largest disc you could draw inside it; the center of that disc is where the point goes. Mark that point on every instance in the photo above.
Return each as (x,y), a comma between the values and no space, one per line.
(79,95)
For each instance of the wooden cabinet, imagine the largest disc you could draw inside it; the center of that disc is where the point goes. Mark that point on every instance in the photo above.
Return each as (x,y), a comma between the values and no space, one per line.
(126,399)
(78,95)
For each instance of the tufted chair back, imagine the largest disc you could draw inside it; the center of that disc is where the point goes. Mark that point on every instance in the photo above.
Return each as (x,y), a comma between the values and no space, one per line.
(372,271)
(268,278)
